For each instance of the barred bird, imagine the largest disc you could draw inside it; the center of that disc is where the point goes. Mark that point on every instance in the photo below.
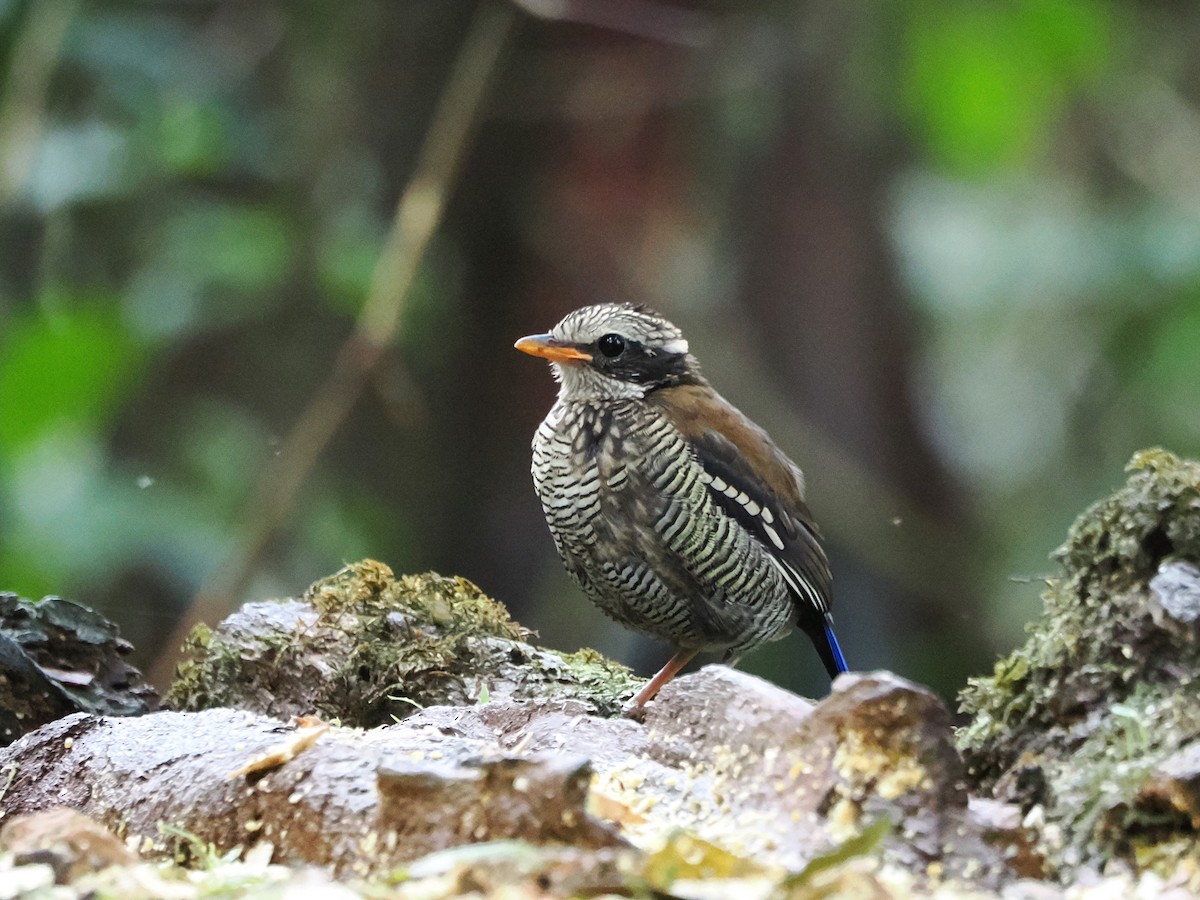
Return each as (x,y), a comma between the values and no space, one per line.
(674,513)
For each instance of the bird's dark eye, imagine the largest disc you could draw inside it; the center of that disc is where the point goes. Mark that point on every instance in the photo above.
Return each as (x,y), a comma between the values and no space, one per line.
(611,345)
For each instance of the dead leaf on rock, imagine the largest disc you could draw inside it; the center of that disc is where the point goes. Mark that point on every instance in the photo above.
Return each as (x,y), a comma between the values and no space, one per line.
(308,730)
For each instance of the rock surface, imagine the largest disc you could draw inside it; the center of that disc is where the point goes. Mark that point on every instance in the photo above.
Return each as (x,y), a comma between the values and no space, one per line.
(728,757)
(357,802)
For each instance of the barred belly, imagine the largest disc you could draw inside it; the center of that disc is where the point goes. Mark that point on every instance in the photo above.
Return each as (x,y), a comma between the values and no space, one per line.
(637,528)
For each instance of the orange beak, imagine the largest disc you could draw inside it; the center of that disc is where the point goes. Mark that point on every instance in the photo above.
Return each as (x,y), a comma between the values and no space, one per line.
(545,346)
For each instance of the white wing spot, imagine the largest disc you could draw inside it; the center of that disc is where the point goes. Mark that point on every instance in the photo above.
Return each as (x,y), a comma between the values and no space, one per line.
(801,587)
(752,508)
(718,484)
(774,536)
(768,516)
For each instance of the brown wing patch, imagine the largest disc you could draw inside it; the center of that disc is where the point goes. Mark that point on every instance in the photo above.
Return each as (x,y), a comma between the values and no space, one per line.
(696,408)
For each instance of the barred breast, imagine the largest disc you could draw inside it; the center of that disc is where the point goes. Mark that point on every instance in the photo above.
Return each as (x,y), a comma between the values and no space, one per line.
(634,522)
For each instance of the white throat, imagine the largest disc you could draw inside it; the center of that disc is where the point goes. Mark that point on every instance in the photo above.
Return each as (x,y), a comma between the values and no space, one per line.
(585,383)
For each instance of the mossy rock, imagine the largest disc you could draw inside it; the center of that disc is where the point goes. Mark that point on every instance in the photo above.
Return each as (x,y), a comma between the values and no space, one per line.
(366,648)
(1104,690)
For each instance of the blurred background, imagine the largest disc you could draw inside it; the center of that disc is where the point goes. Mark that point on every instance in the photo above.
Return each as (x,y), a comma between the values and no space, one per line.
(262,264)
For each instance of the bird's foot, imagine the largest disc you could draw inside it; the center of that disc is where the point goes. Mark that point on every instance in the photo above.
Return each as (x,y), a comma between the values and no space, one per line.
(634,710)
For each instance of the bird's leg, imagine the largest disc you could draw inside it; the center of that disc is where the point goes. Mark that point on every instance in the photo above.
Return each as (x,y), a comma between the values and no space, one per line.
(665,674)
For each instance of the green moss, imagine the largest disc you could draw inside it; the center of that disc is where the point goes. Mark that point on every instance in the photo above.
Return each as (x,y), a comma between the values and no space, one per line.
(456,606)
(190,689)
(416,638)
(1120,541)
(1098,638)
(217,670)
(1097,787)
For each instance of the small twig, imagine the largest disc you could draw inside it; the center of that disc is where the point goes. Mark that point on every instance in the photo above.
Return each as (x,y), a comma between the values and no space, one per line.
(418,214)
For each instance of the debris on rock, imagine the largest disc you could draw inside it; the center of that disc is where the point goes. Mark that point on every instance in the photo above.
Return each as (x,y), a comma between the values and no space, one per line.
(308,731)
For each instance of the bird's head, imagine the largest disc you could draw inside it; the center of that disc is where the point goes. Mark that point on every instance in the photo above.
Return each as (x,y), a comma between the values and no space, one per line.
(614,350)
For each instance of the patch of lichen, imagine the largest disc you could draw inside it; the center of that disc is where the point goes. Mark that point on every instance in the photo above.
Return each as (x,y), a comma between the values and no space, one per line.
(1105,685)
(591,667)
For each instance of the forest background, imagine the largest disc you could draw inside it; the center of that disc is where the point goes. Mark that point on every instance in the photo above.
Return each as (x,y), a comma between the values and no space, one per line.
(262,264)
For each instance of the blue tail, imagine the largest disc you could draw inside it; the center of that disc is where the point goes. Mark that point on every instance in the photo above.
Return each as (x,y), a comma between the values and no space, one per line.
(835,651)
(820,632)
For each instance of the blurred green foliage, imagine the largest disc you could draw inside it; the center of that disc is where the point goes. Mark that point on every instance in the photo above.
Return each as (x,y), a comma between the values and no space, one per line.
(985,83)
(66,370)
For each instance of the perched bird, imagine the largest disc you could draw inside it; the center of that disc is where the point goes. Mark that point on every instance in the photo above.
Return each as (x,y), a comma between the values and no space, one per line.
(674,513)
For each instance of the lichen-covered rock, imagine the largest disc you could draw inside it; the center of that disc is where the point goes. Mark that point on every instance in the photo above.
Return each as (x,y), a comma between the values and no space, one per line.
(1075,725)
(367,648)
(792,780)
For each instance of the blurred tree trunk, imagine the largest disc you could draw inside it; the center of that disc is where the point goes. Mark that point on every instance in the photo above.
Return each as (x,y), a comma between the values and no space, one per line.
(822,290)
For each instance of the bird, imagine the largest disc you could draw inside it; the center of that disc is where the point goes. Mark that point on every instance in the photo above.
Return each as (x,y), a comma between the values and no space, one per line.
(674,513)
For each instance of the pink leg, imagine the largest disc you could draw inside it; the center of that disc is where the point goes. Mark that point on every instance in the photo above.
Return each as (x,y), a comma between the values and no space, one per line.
(665,674)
